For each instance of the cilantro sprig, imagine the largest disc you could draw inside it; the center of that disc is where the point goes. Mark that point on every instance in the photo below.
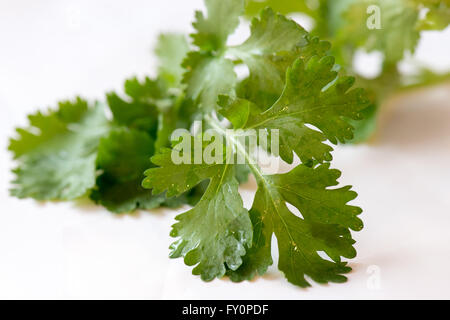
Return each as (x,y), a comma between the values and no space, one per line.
(293,86)
(292,83)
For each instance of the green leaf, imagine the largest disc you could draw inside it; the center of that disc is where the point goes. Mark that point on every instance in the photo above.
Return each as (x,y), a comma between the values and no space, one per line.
(171,50)
(179,115)
(221,21)
(125,153)
(207,77)
(174,178)
(152,108)
(275,42)
(212,235)
(122,158)
(238,111)
(313,95)
(125,196)
(150,117)
(60,153)
(321,226)
(141,110)
(57,152)
(397,33)
(209,73)
(282,6)
(145,125)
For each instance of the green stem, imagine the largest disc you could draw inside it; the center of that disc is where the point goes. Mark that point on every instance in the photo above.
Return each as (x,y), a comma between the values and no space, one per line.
(239,147)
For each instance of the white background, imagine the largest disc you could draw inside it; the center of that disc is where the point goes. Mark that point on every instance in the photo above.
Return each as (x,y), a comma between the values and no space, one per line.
(52,50)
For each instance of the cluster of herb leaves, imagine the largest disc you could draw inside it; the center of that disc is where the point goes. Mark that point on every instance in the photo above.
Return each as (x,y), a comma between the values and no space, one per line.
(293,85)
(75,150)
(344,23)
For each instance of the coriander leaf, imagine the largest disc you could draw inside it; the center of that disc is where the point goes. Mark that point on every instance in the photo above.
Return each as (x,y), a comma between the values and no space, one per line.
(176,178)
(124,196)
(122,158)
(212,235)
(171,50)
(179,115)
(167,123)
(397,32)
(141,111)
(275,42)
(150,91)
(313,95)
(125,153)
(325,13)
(153,109)
(46,127)
(57,153)
(194,195)
(322,226)
(151,116)
(222,20)
(282,6)
(207,77)
(238,111)
(209,73)
(149,120)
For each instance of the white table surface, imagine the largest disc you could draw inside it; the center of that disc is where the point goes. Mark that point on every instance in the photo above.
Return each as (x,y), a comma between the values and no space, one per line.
(51,50)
